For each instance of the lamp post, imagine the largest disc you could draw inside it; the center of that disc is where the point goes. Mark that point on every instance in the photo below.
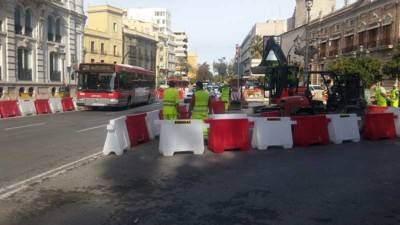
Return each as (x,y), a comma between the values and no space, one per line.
(309,4)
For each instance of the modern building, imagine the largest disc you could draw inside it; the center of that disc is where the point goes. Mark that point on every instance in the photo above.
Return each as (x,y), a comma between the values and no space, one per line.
(268,28)
(193,62)
(181,53)
(40,46)
(104,35)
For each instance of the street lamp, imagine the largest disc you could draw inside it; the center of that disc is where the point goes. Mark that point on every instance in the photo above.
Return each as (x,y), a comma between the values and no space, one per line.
(309,4)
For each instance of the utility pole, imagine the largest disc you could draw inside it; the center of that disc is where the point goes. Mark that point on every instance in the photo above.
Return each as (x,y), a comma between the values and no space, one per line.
(309,4)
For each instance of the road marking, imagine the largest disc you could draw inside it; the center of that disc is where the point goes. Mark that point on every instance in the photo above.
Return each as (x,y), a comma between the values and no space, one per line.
(91,128)
(6,192)
(25,126)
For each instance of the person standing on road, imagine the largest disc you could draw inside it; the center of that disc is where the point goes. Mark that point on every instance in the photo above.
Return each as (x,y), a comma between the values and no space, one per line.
(380,95)
(200,102)
(171,102)
(394,96)
(225,95)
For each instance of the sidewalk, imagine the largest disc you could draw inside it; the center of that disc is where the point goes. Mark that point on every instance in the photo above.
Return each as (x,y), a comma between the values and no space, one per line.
(346,184)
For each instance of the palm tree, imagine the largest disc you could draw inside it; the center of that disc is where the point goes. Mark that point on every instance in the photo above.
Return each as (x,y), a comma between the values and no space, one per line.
(256,47)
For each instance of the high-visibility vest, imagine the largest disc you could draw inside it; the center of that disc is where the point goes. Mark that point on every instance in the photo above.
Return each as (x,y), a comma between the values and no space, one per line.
(380,99)
(394,97)
(171,100)
(225,94)
(200,109)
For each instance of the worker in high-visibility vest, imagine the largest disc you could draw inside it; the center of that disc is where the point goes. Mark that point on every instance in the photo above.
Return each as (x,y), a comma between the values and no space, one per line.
(380,95)
(225,95)
(394,96)
(200,102)
(170,102)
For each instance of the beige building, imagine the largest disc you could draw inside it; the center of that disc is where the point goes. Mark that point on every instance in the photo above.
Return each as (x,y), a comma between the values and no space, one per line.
(269,28)
(193,62)
(318,10)
(181,52)
(103,34)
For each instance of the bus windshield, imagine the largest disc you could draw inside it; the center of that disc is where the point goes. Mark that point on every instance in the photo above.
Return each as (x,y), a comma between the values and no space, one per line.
(96,81)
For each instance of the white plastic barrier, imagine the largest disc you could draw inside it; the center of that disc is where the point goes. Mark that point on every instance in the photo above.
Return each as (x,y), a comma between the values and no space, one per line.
(75,105)
(27,107)
(343,127)
(117,137)
(181,136)
(55,105)
(396,112)
(152,127)
(228,116)
(273,131)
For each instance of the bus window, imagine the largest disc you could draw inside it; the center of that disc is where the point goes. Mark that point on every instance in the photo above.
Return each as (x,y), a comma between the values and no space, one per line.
(96,81)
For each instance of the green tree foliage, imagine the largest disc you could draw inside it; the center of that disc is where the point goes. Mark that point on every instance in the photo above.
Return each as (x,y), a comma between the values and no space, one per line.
(256,47)
(392,68)
(204,73)
(232,68)
(367,68)
(221,67)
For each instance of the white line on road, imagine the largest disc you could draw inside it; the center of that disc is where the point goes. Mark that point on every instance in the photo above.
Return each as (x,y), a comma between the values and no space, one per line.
(25,126)
(91,128)
(14,188)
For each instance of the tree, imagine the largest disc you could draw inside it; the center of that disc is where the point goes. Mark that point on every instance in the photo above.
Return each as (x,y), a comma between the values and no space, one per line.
(203,72)
(392,68)
(367,68)
(220,67)
(256,47)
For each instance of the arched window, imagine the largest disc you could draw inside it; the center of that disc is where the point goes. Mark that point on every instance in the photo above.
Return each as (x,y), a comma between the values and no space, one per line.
(50,28)
(58,30)
(24,64)
(17,20)
(55,73)
(28,22)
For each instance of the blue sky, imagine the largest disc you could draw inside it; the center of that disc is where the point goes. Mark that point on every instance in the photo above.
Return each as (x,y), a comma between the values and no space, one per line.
(214,27)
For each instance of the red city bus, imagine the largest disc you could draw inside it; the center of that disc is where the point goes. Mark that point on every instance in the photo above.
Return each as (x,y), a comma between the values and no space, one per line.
(114,85)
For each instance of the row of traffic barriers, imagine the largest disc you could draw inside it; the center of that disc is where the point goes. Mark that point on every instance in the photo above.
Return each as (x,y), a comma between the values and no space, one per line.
(14,108)
(238,131)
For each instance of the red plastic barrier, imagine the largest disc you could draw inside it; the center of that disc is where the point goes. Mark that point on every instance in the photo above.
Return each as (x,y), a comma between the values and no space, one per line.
(42,106)
(275,113)
(217,107)
(183,112)
(379,126)
(67,104)
(228,134)
(9,108)
(181,94)
(310,130)
(376,109)
(137,129)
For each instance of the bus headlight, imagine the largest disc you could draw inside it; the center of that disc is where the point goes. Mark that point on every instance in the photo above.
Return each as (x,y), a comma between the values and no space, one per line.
(113,100)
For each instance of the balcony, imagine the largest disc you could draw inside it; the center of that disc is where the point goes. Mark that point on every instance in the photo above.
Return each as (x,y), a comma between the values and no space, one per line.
(24,74)
(18,29)
(55,76)
(28,31)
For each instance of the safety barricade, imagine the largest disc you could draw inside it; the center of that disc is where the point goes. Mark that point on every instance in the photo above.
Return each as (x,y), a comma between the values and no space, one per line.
(67,104)
(9,108)
(152,127)
(343,127)
(274,113)
(396,112)
(42,106)
(379,126)
(27,107)
(181,136)
(228,134)
(273,131)
(310,130)
(228,116)
(137,129)
(183,112)
(55,105)
(117,139)
(75,104)
(217,107)
(376,109)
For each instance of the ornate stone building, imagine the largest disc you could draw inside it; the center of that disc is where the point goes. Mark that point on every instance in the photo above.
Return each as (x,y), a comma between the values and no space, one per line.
(40,45)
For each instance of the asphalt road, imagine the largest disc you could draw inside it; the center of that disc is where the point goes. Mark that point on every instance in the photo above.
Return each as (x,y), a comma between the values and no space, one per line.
(33,145)
(355,184)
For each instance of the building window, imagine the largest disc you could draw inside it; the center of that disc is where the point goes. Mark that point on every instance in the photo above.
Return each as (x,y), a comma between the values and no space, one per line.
(349,44)
(1,25)
(361,39)
(115,27)
(92,50)
(24,64)
(17,20)
(386,34)
(50,26)
(58,30)
(322,50)
(55,73)
(334,48)
(115,50)
(372,38)
(28,23)
(1,92)
(102,48)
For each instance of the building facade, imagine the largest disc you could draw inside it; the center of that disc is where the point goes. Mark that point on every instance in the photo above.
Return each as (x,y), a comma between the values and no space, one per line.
(269,28)
(193,62)
(181,53)
(103,35)
(40,46)
(319,9)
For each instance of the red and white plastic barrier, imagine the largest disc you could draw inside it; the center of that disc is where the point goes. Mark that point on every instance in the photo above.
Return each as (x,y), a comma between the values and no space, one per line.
(27,107)
(379,126)
(396,112)
(152,127)
(55,105)
(310,130)
(343,127)
(273,131)
(9,108)
(42,106)
(137,129)
(67,104)
(117,139)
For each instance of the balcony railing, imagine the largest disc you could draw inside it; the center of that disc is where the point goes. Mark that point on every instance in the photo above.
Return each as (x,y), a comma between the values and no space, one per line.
(28,31)
(18,29)
(24,74)
(55,76)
